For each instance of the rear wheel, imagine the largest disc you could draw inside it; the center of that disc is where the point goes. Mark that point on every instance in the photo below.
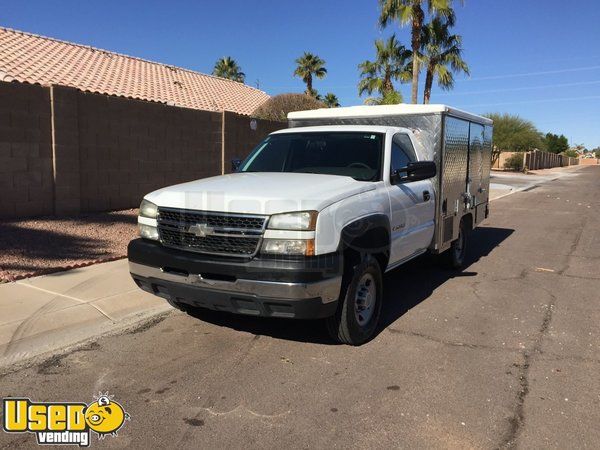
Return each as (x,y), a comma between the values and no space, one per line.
(454,257)
(359,308)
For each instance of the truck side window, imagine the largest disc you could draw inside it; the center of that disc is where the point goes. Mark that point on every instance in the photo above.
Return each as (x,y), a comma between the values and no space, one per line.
(403,151)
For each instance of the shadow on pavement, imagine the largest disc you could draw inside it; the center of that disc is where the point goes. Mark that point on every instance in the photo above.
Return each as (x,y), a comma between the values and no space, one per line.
(405,287)
(414,282)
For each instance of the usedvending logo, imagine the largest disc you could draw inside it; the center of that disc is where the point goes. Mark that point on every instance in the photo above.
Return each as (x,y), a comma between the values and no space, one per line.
(60,423)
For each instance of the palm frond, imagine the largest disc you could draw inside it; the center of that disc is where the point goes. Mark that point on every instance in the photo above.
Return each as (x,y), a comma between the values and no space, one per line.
(226,67)
(392,63)
(308,65)
(441,52)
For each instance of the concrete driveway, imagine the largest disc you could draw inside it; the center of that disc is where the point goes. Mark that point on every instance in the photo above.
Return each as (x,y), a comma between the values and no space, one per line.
(503,354)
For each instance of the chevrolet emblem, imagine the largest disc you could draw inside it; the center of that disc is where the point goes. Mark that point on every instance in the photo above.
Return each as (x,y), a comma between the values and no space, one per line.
(201,230)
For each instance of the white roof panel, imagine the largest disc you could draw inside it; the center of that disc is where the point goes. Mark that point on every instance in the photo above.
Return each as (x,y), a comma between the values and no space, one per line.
(385,110)
(326,128)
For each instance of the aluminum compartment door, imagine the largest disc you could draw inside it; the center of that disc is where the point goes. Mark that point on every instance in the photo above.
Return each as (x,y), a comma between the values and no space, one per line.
(455,162)
(487,162)
(475,186)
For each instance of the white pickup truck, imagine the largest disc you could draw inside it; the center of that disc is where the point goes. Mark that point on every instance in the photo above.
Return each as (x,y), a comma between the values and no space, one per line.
(316,214)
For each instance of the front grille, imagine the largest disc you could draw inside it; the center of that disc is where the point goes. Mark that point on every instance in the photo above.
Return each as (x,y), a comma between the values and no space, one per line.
(211,233)
(214,220)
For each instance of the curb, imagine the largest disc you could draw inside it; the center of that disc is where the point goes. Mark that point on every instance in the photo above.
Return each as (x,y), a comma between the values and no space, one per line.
(5,277)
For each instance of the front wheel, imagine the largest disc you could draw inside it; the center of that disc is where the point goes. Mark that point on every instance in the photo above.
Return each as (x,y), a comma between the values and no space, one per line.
(359,308)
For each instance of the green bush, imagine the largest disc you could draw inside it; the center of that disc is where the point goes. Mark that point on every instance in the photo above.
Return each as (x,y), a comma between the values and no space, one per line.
(571,154)
(514,162)
(277,108)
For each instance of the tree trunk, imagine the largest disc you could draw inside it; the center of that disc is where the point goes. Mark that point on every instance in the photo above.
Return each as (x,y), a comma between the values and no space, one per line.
(309,84)
(417,25)
(428,84)
(387,84)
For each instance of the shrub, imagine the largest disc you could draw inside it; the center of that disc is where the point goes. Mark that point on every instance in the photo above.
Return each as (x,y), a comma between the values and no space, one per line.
(514,134)
(514,162)
(571,154)
(277,108)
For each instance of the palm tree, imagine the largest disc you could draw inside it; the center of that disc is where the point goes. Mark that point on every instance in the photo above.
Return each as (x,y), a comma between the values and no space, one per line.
(307,66)
(331,100)
(391,64)
(389,98)
(227,68)
(441,55)
(411,11)
(314,94)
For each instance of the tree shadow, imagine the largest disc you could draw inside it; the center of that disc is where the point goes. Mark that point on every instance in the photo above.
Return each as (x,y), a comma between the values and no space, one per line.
(413,283)
(31,245)
(126,216)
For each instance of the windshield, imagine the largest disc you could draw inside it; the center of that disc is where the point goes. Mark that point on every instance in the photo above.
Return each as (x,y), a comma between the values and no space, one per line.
(356,155)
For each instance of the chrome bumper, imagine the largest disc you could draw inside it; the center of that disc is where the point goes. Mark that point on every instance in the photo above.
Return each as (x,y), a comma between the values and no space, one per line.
(328,290)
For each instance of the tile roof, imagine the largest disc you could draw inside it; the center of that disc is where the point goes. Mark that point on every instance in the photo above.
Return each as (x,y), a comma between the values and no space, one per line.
(29,58)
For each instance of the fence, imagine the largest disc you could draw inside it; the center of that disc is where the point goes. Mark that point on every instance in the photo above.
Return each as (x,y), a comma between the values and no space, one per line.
(67,151)
(537,159)
(501,160)
(543,160)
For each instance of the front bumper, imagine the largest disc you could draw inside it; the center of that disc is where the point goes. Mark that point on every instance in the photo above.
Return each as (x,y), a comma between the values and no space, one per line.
(300,288)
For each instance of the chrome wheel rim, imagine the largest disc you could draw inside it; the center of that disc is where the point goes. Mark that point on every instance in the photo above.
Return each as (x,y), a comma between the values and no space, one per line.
(365,299)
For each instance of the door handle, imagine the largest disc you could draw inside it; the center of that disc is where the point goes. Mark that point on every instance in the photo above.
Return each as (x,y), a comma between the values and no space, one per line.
(426,196)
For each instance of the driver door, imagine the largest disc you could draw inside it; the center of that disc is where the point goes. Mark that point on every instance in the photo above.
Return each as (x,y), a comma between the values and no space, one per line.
(411,204)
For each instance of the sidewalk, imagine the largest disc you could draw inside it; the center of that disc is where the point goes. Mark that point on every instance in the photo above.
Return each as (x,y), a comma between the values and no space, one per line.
(42,314)
(504,183)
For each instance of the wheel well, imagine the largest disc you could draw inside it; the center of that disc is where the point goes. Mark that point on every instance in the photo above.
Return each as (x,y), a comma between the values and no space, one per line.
(375,241)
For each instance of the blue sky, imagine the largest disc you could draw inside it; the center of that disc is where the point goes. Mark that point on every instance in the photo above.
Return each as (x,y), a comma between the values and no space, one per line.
(538,59)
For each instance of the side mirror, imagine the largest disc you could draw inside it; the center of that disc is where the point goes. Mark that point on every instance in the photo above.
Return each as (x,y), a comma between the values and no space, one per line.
(235,164)
(414,171)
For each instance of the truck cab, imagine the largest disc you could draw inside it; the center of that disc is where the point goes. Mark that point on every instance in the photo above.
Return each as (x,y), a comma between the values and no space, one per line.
(303,230)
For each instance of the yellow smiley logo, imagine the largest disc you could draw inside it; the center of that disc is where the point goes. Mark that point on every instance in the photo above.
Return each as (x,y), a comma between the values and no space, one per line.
(105,416)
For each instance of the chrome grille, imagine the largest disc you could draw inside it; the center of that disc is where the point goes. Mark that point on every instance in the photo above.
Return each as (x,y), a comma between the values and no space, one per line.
(211,233)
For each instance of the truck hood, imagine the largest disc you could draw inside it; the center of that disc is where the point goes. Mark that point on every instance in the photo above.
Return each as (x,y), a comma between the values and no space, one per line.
(260,192)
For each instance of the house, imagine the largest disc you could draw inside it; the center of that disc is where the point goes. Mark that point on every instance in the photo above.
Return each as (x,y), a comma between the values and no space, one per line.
(29,58)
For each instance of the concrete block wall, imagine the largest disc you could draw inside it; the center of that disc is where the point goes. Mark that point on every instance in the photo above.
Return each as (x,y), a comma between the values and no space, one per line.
(129,148)
(26,178)
(537,159)
(64,151)
(242,134)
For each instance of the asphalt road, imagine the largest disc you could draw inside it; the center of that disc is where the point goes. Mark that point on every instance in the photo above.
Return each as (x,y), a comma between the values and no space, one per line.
(503,354)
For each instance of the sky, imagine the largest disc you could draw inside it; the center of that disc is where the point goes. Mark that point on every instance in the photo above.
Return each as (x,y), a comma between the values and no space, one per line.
(538,59)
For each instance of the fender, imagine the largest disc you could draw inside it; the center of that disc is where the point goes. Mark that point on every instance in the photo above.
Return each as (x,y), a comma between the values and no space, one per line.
(370,234)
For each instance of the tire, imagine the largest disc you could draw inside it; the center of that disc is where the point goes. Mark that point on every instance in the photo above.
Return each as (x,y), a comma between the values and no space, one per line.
(454,257)
(176,305)
(353,323)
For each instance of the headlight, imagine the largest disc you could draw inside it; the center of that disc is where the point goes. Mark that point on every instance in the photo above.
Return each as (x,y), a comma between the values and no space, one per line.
(148,209)
(289,247)
(297,221)
(148,231)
